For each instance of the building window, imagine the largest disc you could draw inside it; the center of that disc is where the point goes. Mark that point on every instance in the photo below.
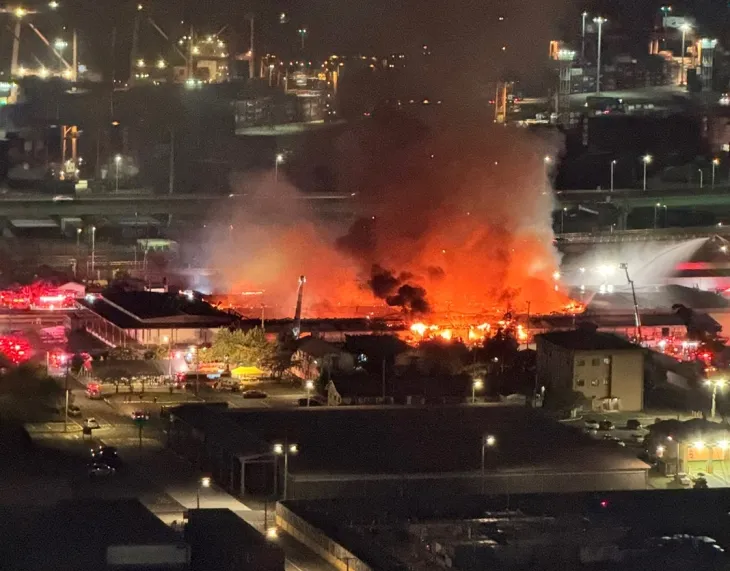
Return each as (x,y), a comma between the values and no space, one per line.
(595,362)
(580,363)
(605,381)
(580,383)
(594,383)
(607,360)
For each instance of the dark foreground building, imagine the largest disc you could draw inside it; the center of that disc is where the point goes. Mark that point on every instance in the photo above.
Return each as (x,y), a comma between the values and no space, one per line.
(396,451)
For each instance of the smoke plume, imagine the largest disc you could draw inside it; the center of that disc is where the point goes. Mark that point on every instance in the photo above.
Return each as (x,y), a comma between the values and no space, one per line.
(454,220)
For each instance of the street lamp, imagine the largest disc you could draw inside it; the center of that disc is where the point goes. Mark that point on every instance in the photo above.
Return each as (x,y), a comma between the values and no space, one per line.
(656,209)
(167,340)
(702,179)
(117,162)
(646,159)
(715,384)
(547,161)
(302,33)
(279,159)
(284,450)
(715,163)
(60,44)
(78,245)
(476,385)
(600,21)
(488,441)
(204,483)
(684,28)
(309,386)
(93,250)
(613,166)
(584,15)
(562,219)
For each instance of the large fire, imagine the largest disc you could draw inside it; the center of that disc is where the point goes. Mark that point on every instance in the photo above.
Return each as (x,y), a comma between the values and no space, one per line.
(455,228)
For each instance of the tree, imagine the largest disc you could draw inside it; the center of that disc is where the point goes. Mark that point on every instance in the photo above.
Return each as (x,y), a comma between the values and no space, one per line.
(241,348)
(28,382)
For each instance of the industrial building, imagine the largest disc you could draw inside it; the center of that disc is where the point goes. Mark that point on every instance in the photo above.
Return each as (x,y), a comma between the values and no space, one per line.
(144,318)
(396,451)
(606,369)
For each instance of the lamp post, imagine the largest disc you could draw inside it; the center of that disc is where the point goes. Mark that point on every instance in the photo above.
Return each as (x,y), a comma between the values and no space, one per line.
(284,450)
(656,209)
(166,339)
(584,15)
(562,219)
(476,385)
(646,159)
(303,34)
(684,28)
(613,167)
(309,386)
(78,246)
(117,161)
(702,178)
(600,21)
(93,250)
(715,384)
(488,441)
(547,161)
(279,159)
(204,483)
(715,162)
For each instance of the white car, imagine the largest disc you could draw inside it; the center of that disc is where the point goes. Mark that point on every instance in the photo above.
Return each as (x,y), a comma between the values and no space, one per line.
(62,198)
(101,470)
(684,480)
(591,424)
(91,422)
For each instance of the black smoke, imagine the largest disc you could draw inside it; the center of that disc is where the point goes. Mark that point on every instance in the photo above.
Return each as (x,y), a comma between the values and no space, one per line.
(397,292)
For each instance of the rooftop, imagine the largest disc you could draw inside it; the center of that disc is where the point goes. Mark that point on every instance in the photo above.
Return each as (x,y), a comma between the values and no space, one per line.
(586,340)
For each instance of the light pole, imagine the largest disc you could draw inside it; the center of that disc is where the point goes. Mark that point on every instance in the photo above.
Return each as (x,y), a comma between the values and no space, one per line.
(715,384)
(93,250)
(279,159)
(656,209)
(684,28)
(66,363)
(600,21)
(309,386)
(646,159)
(715,162)
(547,161)
(488,441)
(303,34)
(476,385)
(613,167)
(204,483)
(562,220)
(285,450)
(78,246)
(117,161)
(584,15)
(702,179)
(167,340)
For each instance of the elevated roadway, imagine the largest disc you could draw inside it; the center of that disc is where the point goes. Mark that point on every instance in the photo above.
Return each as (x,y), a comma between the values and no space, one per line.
(635,198)
(128,205)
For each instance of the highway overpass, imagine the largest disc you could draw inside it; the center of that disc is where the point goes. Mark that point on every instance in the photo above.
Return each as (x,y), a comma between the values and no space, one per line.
(130,204)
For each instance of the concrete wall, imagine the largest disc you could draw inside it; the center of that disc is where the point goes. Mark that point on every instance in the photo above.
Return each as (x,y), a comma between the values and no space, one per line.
(627,379)
(554,365)
(318,541)
(356,486)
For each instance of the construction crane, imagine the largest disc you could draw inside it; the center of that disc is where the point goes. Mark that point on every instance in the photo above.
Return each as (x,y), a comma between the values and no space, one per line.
(297,327)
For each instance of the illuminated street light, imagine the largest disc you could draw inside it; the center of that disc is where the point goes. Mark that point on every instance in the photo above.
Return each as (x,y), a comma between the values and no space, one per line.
(60,44)
(476,385)
(161,64)
(284,450)
(279,159)
(715,384)
(684,28)
(93,249)
(646,159)
(613,167)
(600,21)
(715,163)
(20,12)
(698,445)
(303,34)
(53,5)
(660,451)
(140,63)
(204,483)
(117,162)
(584,15)
(309,386)
(488,441)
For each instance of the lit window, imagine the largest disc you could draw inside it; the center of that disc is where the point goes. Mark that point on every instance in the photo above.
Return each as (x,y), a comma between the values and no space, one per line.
(607,360)
(594,383)
(605,381)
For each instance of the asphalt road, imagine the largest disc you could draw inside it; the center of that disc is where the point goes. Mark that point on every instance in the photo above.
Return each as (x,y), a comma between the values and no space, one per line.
(166,484)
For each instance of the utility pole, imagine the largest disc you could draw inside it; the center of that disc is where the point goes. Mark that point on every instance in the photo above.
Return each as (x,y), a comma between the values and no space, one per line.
(252,59)
(600,21)
(171,177)
(75,57)
(133,50)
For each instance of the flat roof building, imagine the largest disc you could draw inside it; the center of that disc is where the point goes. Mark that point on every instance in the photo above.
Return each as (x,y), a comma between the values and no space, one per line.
(396,451)
(606,369)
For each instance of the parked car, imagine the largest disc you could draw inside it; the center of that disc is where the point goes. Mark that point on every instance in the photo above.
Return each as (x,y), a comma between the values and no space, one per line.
(606,425)
(591,424)
(683,480)
(312,402)
(106,455)
(101,470)
(140,415)
(254,394)
(91,422)
(633,424)
(638,438)
(73,410)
